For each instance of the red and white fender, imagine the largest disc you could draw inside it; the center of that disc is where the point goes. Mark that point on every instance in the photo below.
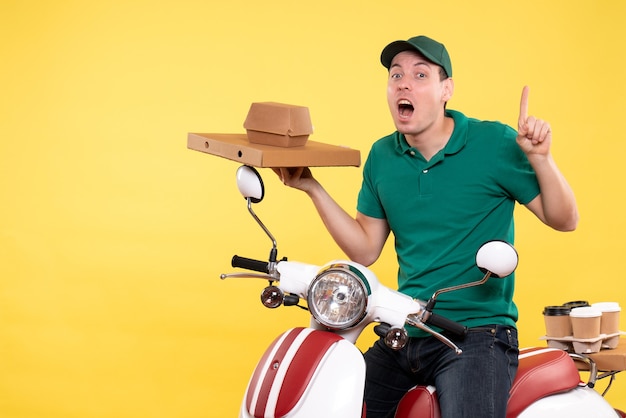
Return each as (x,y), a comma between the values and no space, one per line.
(306,373)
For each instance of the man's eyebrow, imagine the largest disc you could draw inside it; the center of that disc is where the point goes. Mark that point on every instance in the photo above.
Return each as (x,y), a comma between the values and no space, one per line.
(424,62)
(421,62)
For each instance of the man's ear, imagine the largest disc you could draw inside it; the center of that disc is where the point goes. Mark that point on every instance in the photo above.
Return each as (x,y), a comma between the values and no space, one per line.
(448,89)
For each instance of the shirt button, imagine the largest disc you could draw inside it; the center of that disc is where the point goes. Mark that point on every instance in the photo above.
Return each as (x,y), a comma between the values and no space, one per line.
(425,171)
(412,153)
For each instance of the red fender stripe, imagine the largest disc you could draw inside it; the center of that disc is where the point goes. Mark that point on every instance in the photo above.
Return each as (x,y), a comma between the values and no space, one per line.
(298,375)
(270,369)
(302,368)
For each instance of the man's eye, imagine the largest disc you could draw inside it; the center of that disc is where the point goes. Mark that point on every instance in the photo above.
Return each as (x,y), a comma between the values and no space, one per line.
(420,75)
(396,76)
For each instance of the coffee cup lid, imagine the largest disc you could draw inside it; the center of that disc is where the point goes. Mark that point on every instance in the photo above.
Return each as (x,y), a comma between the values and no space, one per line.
(576,303)
(556,310)
(607,306)
(585,312)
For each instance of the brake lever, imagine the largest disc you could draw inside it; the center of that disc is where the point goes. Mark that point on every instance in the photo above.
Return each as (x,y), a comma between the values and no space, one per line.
(414,320)
(247,276)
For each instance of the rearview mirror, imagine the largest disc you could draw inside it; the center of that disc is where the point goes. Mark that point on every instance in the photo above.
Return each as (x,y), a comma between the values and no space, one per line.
(250,183)
(497,257)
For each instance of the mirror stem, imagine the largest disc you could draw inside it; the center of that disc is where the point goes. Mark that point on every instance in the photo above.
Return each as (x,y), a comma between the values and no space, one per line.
(462,286)
(274,251)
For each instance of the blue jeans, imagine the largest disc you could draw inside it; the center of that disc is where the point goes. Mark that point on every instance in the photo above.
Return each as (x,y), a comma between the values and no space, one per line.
(473,384)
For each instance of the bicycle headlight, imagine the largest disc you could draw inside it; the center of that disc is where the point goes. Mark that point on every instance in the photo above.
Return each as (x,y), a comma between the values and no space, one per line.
(337,296)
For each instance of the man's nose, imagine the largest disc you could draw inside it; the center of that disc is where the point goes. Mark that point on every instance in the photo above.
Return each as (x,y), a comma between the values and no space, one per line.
(404,85)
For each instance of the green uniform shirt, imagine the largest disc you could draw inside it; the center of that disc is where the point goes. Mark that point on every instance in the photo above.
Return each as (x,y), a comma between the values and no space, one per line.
(441,211)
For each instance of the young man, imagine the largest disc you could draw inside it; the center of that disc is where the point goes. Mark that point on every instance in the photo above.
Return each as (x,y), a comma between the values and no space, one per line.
(444,184)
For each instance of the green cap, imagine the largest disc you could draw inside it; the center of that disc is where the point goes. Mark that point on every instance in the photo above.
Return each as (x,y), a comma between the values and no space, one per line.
(429,48)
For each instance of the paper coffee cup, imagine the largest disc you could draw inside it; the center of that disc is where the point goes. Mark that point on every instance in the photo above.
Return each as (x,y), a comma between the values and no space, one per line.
(610,316)
(558,323)
(585,322)
(609,324)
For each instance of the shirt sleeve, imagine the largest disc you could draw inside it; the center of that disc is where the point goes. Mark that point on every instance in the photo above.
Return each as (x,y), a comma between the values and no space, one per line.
(368,202)
(516,175)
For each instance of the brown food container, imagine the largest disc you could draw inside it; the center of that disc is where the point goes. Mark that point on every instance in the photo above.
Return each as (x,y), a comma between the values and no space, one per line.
(278,124)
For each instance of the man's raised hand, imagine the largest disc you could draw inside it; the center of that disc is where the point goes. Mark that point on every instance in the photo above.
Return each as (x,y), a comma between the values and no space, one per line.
(533,135)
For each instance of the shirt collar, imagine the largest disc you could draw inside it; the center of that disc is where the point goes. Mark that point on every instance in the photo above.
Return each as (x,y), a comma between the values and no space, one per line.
(457,140)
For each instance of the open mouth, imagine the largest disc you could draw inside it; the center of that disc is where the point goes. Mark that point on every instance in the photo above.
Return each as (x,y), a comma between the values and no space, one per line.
(405,108)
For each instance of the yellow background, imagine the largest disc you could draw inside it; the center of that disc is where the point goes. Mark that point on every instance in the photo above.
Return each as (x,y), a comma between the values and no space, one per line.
(113,234)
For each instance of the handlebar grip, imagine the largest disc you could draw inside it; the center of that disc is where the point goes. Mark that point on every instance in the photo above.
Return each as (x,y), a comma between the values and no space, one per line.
(447,324)
(250,264)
